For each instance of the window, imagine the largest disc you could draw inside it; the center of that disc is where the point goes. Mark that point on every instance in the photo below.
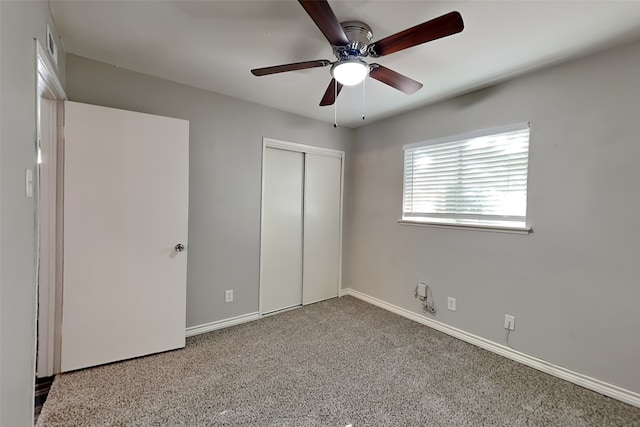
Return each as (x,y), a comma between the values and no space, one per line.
(473,180)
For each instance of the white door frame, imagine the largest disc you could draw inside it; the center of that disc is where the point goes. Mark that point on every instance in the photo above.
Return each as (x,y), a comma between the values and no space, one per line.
(301,148)
(48,229)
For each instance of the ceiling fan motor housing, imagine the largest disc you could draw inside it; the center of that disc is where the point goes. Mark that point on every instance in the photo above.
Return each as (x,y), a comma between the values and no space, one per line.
(359,35)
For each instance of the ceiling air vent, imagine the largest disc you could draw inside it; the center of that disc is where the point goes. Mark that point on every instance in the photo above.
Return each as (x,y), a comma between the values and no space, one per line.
(52,47)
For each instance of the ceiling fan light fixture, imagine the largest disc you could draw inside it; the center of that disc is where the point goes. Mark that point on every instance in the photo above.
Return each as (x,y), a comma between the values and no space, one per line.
(350,72)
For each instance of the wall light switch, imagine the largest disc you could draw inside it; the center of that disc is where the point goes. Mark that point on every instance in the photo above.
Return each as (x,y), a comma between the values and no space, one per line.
(28,182)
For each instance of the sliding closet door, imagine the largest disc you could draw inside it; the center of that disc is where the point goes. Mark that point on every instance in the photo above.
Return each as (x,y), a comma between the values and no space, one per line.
(322,207)
(281,245)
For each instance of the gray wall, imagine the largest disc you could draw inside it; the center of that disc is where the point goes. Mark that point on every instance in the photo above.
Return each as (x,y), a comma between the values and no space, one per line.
(573,285)
(225,153)
(20,24)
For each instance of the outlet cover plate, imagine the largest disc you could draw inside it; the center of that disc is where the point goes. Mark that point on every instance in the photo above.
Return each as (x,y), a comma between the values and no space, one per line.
(228,295)
(451,304)
(422,290)
(509,322)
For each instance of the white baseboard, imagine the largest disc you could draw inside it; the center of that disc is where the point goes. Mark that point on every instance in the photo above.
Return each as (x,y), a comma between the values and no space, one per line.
(585,381)
(208,327)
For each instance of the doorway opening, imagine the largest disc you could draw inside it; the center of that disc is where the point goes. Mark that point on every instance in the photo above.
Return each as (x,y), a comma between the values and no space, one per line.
(49,120)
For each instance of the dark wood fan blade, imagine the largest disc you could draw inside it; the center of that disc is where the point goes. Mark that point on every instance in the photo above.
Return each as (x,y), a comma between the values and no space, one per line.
(443,26)
(394,79)
(330,94)
(325,19)
(290,67)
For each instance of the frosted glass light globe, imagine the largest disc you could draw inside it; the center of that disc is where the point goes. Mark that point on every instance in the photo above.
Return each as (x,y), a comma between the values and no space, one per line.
(350,72)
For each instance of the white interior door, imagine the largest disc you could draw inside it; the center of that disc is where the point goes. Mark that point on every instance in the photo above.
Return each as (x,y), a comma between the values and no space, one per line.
(125,210)
(281,243)
(322,211)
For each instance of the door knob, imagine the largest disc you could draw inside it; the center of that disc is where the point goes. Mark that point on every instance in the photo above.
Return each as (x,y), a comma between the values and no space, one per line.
(179,247)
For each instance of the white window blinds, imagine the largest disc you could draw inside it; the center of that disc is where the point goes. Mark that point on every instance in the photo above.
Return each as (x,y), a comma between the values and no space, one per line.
(479,178)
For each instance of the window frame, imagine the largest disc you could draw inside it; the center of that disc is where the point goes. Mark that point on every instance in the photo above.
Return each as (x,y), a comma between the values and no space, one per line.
(492,227)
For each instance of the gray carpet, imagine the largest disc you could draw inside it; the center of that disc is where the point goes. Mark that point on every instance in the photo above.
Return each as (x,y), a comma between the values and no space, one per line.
(333,363)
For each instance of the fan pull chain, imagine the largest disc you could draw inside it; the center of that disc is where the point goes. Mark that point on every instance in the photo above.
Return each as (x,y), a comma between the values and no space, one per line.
(335,104)
(363,85)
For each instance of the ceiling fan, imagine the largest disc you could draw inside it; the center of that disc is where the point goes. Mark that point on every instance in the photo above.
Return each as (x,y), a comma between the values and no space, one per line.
(351,42)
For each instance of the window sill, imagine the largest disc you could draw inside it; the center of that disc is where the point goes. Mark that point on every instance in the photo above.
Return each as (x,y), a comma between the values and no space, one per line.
(475,227)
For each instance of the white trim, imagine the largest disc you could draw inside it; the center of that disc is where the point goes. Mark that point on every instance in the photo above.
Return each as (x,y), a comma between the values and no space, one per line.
(476,227)
(468,135)
(48,86)
(260,248)
(47,239)
(46,71)
(582,380)
(220,324)
(301,148)
(342,196)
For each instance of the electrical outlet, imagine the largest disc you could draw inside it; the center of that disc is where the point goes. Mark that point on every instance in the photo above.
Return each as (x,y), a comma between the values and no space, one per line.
(451,304)
(509,322)
(228,295)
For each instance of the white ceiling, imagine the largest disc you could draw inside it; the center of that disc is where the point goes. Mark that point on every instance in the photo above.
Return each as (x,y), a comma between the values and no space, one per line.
(213,45)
